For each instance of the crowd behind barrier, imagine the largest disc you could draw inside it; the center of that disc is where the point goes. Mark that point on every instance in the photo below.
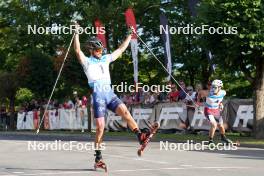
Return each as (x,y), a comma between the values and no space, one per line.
(174,110)
(238,116)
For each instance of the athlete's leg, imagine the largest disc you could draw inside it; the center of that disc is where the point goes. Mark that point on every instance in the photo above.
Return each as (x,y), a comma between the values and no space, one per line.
(99,107)
(213,124)
(122,111)
(221,126)
(117,106)
(100,124)
(222,131)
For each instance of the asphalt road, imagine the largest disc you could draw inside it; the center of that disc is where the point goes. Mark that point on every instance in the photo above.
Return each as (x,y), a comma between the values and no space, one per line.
(17,159)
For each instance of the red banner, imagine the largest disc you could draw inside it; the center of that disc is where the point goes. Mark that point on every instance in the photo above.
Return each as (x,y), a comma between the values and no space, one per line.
(131,20)
(98,25)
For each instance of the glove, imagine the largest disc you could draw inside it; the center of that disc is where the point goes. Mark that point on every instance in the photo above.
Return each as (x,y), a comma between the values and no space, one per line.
(77,27)
(221,106)
(131,30)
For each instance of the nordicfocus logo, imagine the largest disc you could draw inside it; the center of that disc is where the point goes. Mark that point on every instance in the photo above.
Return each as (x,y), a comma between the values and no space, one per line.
(58,29)
(63,146)
(191,146)
(199,30)
(124,87)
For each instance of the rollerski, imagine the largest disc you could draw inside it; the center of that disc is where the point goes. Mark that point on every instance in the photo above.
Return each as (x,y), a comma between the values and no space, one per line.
(99,163)
(146,137)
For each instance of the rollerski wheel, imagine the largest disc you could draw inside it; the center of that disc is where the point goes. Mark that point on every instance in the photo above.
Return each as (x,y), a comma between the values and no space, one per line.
(101,165)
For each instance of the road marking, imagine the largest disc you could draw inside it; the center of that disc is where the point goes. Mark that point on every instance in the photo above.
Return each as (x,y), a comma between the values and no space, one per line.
(186,165)
(130,170)
(151,161)
(130,158)
(245,156)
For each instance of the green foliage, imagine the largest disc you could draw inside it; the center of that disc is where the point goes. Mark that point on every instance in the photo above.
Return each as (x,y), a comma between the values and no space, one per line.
(24,95)
(241,50)
(38,73)
(35,57)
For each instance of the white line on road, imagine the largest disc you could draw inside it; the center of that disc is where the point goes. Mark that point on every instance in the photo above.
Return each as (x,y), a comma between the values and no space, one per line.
(186,165)
(131,158)
(129,170)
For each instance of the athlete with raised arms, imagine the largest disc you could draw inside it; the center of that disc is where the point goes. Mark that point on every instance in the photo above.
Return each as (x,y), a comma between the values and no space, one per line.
(96,68)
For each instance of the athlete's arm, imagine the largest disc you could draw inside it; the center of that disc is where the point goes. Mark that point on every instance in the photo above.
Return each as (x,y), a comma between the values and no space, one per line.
(76,45)
(221,106)
(123,46)
(118,52)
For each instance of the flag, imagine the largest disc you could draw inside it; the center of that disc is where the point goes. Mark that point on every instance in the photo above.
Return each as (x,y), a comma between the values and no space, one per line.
(131,21)
(192,6)
(100,35)
(166,40)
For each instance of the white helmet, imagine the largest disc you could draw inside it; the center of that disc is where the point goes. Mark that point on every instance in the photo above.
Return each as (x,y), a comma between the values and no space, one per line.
(217,83)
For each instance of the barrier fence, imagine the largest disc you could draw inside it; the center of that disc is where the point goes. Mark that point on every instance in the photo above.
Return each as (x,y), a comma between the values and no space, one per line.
(237,114)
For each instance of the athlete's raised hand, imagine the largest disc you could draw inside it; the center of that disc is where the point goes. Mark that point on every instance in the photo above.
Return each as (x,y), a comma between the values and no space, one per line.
(131,30)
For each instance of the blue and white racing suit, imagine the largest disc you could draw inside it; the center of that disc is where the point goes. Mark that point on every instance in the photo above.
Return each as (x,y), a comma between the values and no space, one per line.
(97,72)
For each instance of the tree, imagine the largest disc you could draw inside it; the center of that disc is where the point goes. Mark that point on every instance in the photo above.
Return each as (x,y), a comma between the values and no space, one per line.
(36,73)
(9,85)
(24,95)
(242,52)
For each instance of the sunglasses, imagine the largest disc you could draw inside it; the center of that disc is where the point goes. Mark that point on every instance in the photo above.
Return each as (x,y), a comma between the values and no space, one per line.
(214,87)
(98,50)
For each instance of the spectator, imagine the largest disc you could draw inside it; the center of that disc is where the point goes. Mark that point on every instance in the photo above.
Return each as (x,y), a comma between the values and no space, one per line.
(51,105)
(68,104)
(174,94)
(56,104)
(77,102)
(191,96)
(135,98)
(198,87)
(127,99)
(141,95)
(84,102)
(162,96)
(32,106)
(152,98)
(189,100)
(75,98)
(202,94)
(182,91)
(83,106)
(123,97)
(146,98)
